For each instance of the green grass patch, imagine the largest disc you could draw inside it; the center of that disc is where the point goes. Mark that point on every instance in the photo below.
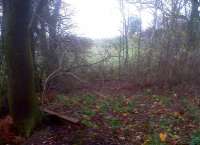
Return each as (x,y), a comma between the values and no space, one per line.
(166,124)
(195,138)
(191,109)
(90,106)
(89,99)
(68,101)
(114,123)
(88,111)
(165,100)
(131,105)
(153,139)
(104,106)
(88,123)
(119,105)
(116,105)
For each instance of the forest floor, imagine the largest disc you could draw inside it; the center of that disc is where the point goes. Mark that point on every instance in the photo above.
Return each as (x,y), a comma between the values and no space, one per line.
(124,115)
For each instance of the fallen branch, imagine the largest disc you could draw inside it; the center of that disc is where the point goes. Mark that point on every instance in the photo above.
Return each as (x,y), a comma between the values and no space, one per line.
(51,76)
(64,117)
(67,72)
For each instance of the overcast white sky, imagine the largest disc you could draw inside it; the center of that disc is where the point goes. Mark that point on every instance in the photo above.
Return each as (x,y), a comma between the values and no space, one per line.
(100,18)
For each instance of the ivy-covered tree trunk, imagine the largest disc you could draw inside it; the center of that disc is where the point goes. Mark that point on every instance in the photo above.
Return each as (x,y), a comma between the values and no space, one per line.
(22,102)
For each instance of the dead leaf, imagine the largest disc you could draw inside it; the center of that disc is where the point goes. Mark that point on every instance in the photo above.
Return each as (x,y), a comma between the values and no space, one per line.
(163,136)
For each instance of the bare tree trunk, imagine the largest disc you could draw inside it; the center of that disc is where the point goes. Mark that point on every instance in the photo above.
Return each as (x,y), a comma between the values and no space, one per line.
(193,26)
(123,42)
(3,73)
(126,42)
(22,101)
(119,60)
(53,44)
(139,40)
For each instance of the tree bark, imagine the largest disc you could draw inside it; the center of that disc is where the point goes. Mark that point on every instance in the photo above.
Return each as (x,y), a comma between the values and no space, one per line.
(193,26)
(22,102)
(53,44)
